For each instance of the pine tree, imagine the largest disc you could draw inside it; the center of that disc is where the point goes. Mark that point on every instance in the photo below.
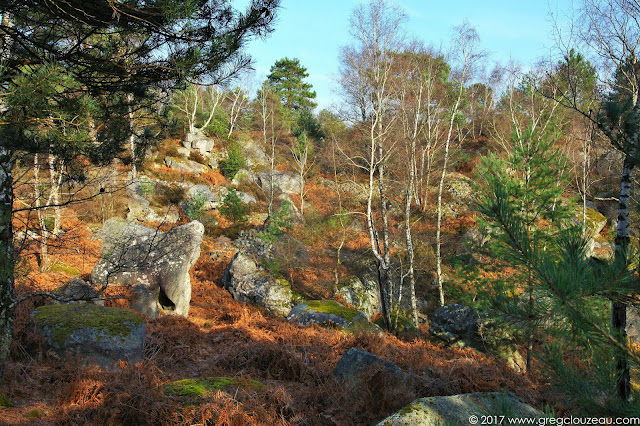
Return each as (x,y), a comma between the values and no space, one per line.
(286,77)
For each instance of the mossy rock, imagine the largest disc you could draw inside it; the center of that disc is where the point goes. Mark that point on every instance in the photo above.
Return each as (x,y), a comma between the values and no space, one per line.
(595,220)
(458,409)
(325,312)
(105,334)
(197,388)
(63,268)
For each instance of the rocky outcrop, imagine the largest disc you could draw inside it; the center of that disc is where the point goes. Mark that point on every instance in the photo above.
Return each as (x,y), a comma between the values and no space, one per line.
(155,264)
(463,326)
(356,362)
(283,182)
(247,282)
(96,333)
(361,294)
(325,312)
(461,410)
(198,142)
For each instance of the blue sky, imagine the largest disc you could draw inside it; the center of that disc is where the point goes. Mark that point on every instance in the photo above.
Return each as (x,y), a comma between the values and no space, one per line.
(315,30)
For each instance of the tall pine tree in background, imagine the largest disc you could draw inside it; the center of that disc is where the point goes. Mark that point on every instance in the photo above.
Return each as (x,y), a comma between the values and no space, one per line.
(286,77)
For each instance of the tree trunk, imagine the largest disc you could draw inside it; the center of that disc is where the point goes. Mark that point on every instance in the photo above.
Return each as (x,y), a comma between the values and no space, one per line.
(7,290)
(618,308)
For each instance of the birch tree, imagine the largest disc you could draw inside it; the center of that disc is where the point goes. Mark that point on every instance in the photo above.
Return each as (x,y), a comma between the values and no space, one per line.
(366,80)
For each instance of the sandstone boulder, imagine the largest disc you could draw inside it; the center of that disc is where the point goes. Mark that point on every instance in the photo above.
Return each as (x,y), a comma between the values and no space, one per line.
(98,334)
(357,361)
(283,182)
(155,264)
(459,409)
(361,294)
(199,142)
(247,282)
(78,291)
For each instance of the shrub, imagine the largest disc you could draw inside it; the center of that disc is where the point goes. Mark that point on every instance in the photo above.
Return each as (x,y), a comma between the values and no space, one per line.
(233,208)
(279,223)
(234,162)
(145,187)
(194,207)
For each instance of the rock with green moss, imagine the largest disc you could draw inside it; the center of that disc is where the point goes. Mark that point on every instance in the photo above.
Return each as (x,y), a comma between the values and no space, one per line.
(459,409)
(100,334)
(247,282)
(197,388)
(325,312)
(154,264)
(362,294)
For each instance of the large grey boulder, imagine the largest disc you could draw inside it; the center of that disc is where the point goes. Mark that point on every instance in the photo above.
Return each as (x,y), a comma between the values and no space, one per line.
(286,182)
(247,282)
(183,165)
(357,361)
(325,312)
(155,264)
(464,326)
(98,334)
(361,294)
(464,409)
(254,153)
(198,142)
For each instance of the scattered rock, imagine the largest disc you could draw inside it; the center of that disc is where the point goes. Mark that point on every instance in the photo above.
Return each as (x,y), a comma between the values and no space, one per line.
(97,333)
(155,264)
(458,409)
(471,240)
(246,198)
(140,210)
(249,283)
(78,291)
(595,220)
(325,312)
(184,152)
(254,153)
(361,294)
(356,362)
(183,165)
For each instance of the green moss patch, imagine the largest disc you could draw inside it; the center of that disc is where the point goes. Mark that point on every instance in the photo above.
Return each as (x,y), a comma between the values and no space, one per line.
(334,308)
(405,324)
(5,401)
(200,387)
(66,319)
(63,268)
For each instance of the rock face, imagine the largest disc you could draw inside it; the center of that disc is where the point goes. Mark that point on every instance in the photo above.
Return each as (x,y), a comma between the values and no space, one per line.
(325,312)
(155,264)
(356,361)
(78,291)
(286,182)
(361,294)
(97,333)
(458,409)
(249,283)
(462,325)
